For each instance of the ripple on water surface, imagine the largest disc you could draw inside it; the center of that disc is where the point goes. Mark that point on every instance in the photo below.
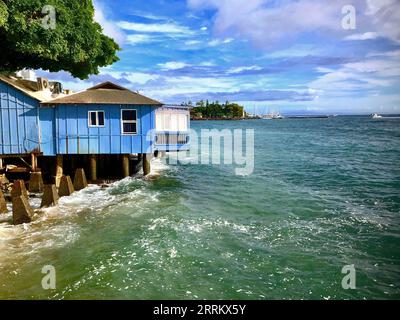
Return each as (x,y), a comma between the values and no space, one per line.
(324,194)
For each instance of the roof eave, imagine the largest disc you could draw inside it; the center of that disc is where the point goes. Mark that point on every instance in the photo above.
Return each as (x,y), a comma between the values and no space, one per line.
(20,89)
(47,103)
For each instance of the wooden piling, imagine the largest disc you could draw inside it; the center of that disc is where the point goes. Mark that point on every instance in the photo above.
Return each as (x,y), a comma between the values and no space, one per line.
(146,164)
(59,169)
(93,167)
(34,165)
(3,179)
(35,182)
(125,165)
(3,205)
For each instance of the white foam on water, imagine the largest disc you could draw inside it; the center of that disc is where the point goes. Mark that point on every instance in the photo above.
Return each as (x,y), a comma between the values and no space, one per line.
(92,198)
(58,226)
(173,252)
(158,165)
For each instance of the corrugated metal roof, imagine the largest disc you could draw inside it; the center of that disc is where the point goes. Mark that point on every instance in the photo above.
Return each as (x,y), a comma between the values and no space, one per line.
(105,93)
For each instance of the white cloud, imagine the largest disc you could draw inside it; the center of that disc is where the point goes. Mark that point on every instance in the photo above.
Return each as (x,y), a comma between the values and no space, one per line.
(297,50)
(264,23)
(149,16)
(190,86)
(76,86)
(385,16)
(176,65)
(241,69)
(363,36)
(170,28)
(394,53)
(139,77)
(324,70)
(267,22)
(109,27)
(133,77)
(139,38)
(192,42)
(218,42)
(375,6)
(370,74)
(378,67)
(172,65)
(207,64)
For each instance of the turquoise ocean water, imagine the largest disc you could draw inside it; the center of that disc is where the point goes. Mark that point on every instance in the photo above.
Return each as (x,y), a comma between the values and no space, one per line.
(325,193)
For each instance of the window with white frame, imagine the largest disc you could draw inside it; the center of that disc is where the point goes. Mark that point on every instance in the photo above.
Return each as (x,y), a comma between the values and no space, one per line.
(129,121)
(96,118)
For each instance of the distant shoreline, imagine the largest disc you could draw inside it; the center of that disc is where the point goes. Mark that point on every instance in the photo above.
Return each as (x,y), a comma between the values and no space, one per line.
(297,117)
(219,119)
(259,118)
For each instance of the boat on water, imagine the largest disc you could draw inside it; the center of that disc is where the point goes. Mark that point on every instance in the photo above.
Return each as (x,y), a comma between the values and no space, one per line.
(272,116)
(376,116)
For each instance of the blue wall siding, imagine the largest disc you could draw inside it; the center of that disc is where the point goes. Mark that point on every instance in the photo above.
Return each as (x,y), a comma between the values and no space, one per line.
(47,131)
(19,122)
(74,136)
(26,127)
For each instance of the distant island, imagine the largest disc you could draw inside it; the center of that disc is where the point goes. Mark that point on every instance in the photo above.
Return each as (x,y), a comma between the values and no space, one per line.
(205,110)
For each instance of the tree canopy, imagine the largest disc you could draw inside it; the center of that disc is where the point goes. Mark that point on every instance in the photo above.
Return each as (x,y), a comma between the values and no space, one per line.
(76,43)
(216,110)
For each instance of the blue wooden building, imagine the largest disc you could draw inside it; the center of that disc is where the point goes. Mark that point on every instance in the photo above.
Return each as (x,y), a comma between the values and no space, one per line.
(38,118)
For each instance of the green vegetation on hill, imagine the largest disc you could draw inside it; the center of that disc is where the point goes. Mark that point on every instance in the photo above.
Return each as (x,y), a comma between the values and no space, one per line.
(215,110)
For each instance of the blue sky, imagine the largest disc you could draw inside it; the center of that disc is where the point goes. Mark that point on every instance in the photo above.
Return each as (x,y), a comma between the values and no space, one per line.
(291,56)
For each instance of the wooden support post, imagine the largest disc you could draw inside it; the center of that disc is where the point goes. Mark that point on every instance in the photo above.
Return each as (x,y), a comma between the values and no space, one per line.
(125,165)
(93,167)
(33,162)
(36,182)
(59,169)
(3,205)
(146,164)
